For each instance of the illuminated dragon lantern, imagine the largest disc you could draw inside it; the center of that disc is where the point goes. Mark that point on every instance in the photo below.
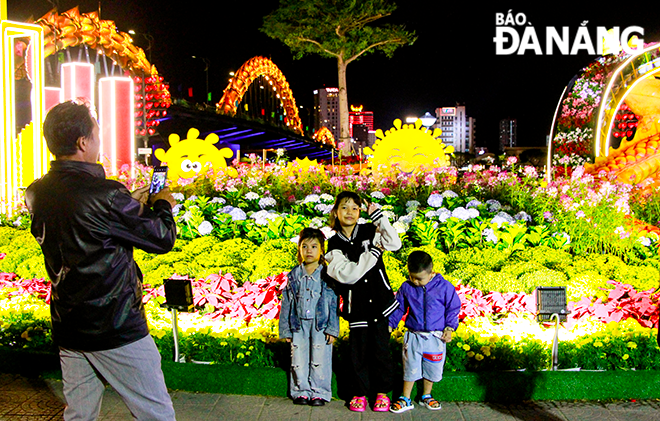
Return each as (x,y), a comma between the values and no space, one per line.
(72,28)
(251,70)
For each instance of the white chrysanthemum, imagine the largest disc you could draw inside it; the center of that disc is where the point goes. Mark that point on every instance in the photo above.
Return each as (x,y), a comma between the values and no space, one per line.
(205,228)
(522,216)
(312,198)
(411,205)
(324,208)
(263,216)
(328,198)
(317,222)
(176,209)
(408,218)
(464,214)
(267,202)
(645,241)
(443,214)
(502,218)
(493,205)
(490,235)
(236,213)
(472,204)
(434,200)
(400,227)
(390,215)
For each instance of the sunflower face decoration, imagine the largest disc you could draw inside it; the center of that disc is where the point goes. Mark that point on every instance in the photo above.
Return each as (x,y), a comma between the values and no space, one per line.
(408,147)
(187,158)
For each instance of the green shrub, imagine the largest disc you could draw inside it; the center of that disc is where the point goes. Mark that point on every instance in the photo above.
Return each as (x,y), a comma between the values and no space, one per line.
(489,280)
(520,268)
(464,272)
(488,258)
(545,256)
(396,270)
(23,256)
(544,277)
(585,284)
(271,258)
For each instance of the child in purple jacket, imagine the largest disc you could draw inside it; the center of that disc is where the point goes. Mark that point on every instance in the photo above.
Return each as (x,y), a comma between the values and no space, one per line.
(433,306)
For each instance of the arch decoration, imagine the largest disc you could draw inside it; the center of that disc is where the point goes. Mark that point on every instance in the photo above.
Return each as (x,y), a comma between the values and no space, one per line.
(608,119)
(248,72)
(72,28)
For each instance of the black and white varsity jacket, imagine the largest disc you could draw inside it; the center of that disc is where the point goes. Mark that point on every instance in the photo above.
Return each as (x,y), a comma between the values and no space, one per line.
(356,263)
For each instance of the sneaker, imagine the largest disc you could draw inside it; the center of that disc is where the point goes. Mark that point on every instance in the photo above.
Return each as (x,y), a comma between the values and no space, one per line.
(402,404)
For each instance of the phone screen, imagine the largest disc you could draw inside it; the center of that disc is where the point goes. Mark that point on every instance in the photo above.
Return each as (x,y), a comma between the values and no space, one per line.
(158,180)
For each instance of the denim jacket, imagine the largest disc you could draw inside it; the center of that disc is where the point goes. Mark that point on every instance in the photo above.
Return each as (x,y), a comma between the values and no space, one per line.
(326,315)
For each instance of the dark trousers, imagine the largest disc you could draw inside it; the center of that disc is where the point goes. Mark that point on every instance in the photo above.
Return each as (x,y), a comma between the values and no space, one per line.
(371,359)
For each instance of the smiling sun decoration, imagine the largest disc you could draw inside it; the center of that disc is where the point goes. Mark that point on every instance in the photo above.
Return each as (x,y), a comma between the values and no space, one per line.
(408,146)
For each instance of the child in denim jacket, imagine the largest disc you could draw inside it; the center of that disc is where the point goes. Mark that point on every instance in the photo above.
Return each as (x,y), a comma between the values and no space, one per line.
(310,322)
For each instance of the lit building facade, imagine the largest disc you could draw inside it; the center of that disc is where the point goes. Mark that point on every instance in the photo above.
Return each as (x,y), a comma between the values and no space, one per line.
(508,133)
(457,128)
(361,126)
(326,110)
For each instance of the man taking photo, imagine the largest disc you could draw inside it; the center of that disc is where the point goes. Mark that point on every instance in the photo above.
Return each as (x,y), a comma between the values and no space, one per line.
(87,227)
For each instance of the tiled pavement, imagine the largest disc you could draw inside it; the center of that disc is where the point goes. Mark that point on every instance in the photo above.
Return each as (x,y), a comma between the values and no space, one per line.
(24,398)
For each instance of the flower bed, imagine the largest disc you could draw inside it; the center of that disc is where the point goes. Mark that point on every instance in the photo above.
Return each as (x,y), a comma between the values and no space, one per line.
(496,233)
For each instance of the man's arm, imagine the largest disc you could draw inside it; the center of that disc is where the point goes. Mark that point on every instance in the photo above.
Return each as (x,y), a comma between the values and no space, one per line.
(150,229)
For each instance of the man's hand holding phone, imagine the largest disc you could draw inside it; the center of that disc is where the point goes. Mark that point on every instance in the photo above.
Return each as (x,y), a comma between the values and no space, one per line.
(164,194)
(157,189)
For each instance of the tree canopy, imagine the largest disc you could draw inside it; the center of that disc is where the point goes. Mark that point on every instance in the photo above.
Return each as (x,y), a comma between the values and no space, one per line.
(341,29)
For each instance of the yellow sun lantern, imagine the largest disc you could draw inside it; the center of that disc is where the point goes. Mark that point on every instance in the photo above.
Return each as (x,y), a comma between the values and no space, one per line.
(409,147)
(187,158)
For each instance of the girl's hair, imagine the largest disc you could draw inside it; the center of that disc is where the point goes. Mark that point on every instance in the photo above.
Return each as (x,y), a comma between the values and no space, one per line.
(313,234)
(333,221)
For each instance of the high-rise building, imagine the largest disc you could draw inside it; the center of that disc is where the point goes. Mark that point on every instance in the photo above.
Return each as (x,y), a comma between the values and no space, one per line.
(326,110)
(358,116)
(457,128)
(361,126)
(508,133)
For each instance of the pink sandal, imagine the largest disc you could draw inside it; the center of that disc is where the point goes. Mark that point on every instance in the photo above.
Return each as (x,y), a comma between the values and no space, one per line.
(382,403)
(358,404)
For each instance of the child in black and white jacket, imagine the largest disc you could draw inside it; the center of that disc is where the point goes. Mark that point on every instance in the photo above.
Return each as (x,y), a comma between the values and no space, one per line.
(355,261)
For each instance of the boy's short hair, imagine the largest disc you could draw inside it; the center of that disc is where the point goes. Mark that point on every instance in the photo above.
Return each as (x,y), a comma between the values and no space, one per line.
(420,261)
(65,123)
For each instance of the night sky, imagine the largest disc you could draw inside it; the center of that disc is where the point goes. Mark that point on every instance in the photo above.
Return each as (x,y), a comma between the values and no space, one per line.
(453,60)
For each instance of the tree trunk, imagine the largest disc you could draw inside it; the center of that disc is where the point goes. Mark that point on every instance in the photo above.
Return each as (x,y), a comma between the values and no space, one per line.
(344,133)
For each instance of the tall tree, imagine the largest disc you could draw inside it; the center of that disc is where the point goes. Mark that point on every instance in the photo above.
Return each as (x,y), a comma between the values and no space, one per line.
(340,29)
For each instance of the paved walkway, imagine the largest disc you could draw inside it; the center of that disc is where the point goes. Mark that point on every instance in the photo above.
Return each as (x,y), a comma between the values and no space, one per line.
(35,399)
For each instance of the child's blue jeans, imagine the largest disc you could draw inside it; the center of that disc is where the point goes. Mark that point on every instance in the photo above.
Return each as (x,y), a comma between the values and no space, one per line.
(311,363)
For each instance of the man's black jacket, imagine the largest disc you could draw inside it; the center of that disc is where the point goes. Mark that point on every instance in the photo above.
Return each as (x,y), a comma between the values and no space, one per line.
(87,227)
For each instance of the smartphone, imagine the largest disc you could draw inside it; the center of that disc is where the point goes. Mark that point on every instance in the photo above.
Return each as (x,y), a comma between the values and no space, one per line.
(158,180)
